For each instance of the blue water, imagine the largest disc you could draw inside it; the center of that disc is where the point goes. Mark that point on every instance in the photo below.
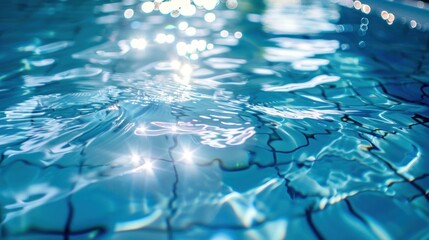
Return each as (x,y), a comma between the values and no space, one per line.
(262,120)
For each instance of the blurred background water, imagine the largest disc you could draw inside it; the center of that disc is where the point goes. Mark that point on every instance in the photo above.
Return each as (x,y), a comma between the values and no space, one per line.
(275,119)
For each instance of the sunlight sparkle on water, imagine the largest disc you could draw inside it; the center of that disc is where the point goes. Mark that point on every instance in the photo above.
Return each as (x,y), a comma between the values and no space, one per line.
(148,165)
(191,31)
(210,4)
(187,155)
(164,38)
(148,7)
(141,129)
(183,26)
(186,70)
(210,17)
(238,35)
(138,43)
(165,7)
(181,48)
(188,10)
(129,13)
(175,64)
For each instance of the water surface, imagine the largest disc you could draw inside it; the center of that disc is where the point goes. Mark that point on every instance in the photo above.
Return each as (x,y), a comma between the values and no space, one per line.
(230,120)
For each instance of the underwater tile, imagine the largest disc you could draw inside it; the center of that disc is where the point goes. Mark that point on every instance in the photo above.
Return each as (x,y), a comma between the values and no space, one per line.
(410,224)
(338,222)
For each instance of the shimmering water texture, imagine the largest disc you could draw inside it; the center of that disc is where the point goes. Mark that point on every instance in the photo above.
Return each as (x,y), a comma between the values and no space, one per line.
(229,120)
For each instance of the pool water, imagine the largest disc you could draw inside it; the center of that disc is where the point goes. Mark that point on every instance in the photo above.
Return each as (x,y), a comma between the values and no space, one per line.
(231,120)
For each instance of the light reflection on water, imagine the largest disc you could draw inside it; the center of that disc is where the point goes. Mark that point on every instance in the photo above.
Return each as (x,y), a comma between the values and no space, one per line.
(212,120)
